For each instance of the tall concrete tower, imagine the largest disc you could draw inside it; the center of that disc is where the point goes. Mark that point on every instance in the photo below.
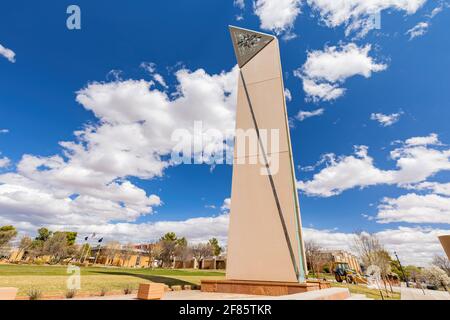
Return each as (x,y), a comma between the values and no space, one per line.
(265,241)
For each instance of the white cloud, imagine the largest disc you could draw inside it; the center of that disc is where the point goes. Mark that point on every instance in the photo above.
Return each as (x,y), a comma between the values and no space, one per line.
(89,183)
(4,162)
(432,139)
(226,204)
(357,15)
(418,30)
(326,70)
(8,54)
(4,131)
(302,115)
(239,3)
(415,163)
(150,67)
(345,173)
(386,120)
(288,95)
(414,208)
(435,187)
(195,230)
(277,15)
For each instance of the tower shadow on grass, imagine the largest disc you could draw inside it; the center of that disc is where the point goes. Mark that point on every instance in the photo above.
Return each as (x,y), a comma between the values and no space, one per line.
(157,279)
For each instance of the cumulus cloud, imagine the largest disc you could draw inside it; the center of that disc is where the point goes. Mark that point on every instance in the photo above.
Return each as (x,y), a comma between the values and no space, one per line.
(434,187)
(226,204)
(386,120)
(4,162)
(326,70)
(416,161)
(414,208)
(418,30)
(195,230)
(431,139)
(415,246)
(288,95)
(89,183)
(358,15)
(302,115)
(277,15)
(8,54)
(239,3)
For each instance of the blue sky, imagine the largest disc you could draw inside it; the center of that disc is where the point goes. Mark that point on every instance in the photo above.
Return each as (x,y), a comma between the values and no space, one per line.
(56,81)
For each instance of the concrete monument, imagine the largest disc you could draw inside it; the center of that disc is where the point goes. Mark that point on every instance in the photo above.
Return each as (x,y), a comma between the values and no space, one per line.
(265,252)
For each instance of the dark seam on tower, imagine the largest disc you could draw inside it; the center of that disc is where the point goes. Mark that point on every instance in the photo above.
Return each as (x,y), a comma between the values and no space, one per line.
(272,184)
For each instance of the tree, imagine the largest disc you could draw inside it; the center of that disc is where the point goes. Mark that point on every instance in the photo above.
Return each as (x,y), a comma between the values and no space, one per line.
(36,249)
(57,247)
(443,263)
(314,257)
(7,233)
(217,249)
(170,236)
(110,251)
(413,273)
(70,236)
(24,245)
(43,234)
(168,243)
(366,246)
(436,277)
(153,251)
(372,253)
(126,252)
(201,251)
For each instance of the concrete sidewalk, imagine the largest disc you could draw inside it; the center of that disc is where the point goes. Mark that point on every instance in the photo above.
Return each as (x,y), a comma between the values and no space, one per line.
(419,294)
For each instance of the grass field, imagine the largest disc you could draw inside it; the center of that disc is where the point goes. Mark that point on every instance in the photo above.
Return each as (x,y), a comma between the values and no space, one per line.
(52,280)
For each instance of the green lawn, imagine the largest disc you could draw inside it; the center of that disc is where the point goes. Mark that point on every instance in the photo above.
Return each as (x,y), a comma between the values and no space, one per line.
(51,280)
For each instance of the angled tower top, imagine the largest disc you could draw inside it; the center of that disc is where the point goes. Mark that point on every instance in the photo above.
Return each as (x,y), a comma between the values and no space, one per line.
(248,43)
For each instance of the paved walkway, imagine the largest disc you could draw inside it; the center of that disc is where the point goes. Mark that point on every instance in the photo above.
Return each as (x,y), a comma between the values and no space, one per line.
(419,294)
(326,294)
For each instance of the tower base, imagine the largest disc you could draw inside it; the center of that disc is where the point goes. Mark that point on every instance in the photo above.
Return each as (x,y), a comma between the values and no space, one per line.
(264,288)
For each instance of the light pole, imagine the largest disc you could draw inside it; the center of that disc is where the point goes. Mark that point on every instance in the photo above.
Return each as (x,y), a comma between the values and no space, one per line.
(401,269)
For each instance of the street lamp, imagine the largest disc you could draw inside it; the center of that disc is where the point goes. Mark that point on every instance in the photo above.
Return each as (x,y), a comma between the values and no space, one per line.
(401,268)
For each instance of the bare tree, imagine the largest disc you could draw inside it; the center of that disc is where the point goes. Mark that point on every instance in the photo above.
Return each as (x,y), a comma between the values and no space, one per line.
(110,251)
(443,263)
(314,257)
(24,245)
(372,253)
(153,252)
(126,252)
(201,251)
(366,246)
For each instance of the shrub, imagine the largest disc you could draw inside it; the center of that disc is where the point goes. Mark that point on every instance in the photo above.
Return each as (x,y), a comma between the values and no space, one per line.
(128,289)
(103,291)
(71,293)
(34,294)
